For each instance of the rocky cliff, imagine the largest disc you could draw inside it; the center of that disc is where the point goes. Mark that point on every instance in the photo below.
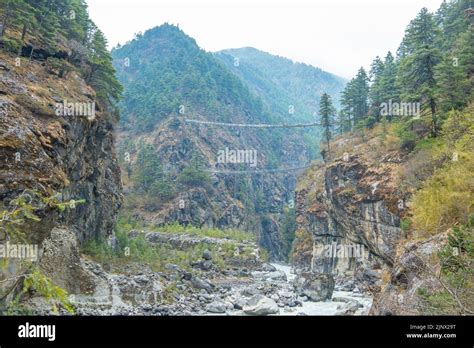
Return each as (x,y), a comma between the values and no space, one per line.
(353,201)
(350,214)
(45,154)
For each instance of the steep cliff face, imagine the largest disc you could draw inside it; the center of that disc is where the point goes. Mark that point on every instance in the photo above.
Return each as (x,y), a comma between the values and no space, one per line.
(352,201)
(348,215)
(72,156)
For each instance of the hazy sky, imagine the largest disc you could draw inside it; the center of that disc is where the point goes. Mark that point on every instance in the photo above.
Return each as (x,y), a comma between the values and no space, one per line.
(336,35)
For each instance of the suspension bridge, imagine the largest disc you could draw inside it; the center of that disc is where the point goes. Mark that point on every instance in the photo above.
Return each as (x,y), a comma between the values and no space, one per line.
(258,126)
(254,125)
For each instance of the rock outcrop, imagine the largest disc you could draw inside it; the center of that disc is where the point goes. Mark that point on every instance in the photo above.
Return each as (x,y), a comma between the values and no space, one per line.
(72,157)
(415,268)
(349,214)
(351,209)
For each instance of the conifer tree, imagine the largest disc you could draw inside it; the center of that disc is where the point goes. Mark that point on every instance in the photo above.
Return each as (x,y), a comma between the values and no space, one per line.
(327,111)
(102,73)
(419,55)
(360,95)
(375,93)
(388,87)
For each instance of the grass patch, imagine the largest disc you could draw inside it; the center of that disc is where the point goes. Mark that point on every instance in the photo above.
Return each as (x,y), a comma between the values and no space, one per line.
(157,256)
(231,234)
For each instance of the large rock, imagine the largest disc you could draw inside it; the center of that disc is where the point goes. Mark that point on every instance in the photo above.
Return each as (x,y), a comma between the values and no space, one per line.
(261,305)
(199,283)
(216,307)
(207,255)
(316,286)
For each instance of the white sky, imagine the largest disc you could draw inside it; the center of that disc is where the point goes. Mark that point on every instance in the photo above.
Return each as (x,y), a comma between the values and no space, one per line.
(338,36)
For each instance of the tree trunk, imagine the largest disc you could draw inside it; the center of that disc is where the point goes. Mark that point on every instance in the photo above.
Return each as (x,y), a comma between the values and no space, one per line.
(5,19)
(4,25)
(23,33)
(32,50)
(434,120)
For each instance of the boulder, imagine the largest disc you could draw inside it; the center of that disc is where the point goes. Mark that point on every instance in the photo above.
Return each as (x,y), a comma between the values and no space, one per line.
(206,265)
(199,283)
(316,286)
(206,255)
(239,303)
(261,305)
(266,267)
(216,307)
(249,291)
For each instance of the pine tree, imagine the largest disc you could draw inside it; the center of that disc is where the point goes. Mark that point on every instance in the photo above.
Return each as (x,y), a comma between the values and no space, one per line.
(419,56)
(451,20)
(343,123)
(388,86)
(347,106)
(360,96)
(454,74)
(327,111)
(375,93)
(102,73)
(453,88)
(16,14)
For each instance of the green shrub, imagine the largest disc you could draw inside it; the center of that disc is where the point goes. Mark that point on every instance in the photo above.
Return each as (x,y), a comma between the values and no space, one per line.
(12,45)
(43,286)
(193,176)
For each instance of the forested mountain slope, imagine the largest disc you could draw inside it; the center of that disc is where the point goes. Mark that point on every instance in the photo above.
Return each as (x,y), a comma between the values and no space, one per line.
(283,83)
(169,79)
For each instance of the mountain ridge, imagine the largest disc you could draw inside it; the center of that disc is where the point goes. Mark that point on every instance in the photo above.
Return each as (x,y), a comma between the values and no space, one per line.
(204,89)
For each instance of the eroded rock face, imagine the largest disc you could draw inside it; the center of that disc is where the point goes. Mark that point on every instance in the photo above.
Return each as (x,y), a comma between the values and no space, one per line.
(60,260)
(414,268)
(356,201)
(73,156)
(351,211)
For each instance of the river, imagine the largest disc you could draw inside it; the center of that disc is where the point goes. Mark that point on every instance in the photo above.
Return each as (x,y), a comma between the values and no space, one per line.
(330,307)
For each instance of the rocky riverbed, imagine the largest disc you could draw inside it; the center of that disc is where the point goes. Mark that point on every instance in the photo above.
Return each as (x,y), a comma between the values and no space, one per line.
(240,286)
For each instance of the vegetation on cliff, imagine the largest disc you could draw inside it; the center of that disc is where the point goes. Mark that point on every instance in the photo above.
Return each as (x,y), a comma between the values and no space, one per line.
(61,32)
(411,117)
